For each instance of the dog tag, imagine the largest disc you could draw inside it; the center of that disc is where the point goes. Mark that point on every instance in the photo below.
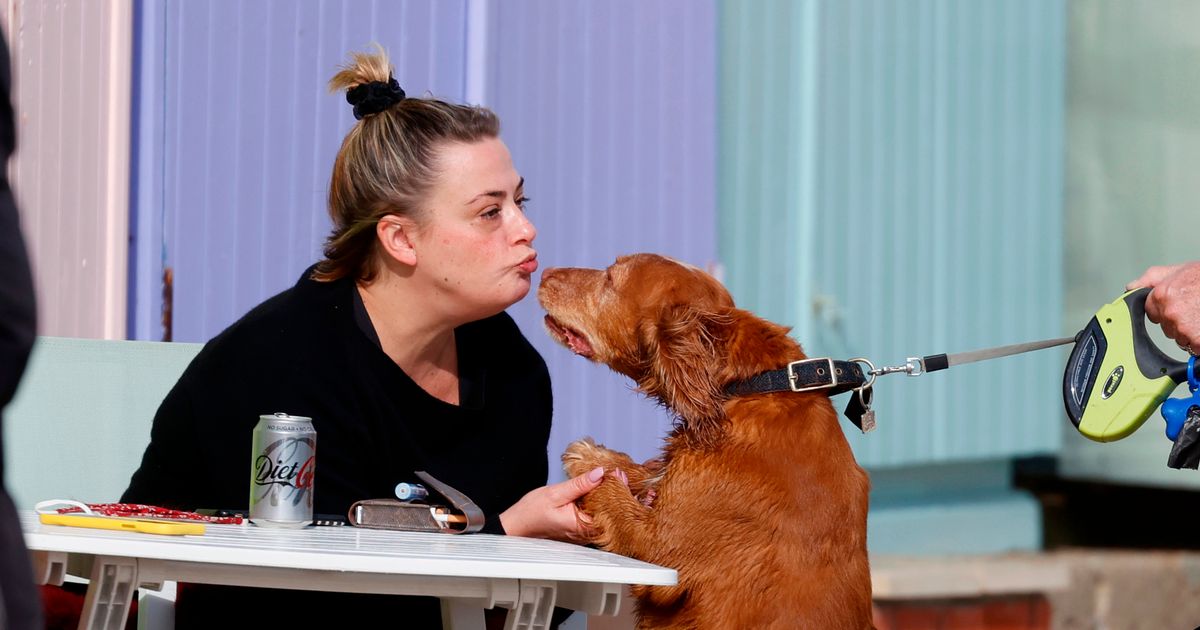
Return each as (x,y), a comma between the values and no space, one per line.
(868,421)
(859,411)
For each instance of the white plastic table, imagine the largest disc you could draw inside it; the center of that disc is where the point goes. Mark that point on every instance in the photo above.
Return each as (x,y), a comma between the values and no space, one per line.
(468,572)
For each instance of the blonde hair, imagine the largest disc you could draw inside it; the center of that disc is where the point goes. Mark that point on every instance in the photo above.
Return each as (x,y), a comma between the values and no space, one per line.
(386,164)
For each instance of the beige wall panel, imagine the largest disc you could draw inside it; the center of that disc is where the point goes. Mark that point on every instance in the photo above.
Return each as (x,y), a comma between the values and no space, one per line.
(71,74)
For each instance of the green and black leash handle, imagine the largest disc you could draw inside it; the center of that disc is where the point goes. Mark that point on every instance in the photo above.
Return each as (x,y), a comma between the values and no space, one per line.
(1114,379)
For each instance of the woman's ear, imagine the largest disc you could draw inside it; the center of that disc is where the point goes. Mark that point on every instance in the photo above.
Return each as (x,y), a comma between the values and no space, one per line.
(396,235)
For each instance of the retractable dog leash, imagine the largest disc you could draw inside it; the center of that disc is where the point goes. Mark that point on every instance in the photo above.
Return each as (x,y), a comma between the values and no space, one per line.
(1114,379)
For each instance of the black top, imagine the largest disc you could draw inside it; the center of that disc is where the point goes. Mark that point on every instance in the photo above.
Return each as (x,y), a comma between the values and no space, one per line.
(20,606)
(311,351)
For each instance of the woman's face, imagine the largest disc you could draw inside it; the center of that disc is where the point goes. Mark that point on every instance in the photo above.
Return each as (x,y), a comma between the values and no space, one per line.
(473,243)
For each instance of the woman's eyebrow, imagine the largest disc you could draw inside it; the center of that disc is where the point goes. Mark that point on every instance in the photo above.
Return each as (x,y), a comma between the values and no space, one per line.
(498,194)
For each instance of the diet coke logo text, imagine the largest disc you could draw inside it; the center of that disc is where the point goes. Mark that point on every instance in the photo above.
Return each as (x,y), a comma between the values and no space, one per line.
(285,468)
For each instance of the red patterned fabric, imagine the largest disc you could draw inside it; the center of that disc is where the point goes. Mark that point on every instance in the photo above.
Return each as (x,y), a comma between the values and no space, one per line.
(151,511)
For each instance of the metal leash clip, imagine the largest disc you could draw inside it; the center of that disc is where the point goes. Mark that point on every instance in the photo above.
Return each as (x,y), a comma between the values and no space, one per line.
(913,366)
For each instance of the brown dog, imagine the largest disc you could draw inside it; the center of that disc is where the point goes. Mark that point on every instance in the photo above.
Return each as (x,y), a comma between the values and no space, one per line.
(756,500)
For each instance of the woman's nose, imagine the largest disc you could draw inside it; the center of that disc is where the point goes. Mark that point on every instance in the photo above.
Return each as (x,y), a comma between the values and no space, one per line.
(525,231)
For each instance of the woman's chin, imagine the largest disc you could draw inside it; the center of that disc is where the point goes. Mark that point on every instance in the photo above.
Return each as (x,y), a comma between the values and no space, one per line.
(519,295)
(504,301)
(521,289)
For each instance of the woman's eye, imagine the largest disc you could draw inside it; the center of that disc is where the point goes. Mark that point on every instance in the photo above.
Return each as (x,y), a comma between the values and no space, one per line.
(492,214)
(521,203)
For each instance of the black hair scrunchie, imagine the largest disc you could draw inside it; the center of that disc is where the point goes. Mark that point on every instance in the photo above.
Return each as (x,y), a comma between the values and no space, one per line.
(374,97)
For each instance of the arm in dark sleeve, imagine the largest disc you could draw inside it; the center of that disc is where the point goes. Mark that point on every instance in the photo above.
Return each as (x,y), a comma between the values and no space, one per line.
(493,525)
(168,475)
(538,472)
(540,435)
(18,318)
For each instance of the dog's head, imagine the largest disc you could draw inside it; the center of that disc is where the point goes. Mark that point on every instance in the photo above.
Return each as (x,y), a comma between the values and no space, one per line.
(670,327)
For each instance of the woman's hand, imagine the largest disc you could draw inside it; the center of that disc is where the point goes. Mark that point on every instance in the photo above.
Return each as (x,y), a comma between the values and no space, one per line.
(1174,302)
(550,512)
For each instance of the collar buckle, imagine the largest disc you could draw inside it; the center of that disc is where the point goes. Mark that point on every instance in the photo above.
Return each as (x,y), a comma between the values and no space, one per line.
(793,378)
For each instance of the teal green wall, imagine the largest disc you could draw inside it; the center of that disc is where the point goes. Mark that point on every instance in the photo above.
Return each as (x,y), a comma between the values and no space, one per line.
(81,418)
(1132,160)
(890,184)
(766,164)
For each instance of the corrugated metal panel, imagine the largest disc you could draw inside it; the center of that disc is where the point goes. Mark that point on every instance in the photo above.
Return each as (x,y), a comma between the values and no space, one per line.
(237,135)
(609,109)
(937,210)
(70,172)
(766,162)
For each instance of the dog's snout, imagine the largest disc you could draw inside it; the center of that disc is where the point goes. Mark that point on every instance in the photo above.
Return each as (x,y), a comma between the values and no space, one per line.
(551,278)
(564,277)
(561,278)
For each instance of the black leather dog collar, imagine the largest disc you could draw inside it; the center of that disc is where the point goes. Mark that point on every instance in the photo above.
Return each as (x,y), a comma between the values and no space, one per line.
(835,377)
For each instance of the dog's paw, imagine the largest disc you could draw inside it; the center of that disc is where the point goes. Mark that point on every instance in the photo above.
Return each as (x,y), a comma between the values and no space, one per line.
(581,456)
(585,455)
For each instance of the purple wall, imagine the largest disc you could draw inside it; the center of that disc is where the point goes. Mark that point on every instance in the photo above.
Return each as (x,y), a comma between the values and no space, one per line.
(609,109)
(237,134)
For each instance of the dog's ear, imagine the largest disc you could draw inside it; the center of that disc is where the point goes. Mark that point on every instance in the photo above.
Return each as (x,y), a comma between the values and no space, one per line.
(685,349)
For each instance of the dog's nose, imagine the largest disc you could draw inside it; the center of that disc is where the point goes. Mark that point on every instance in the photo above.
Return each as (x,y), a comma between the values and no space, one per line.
(549,274)
(546,286)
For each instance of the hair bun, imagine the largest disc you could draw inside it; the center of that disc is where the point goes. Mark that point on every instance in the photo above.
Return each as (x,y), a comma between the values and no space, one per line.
(374,97)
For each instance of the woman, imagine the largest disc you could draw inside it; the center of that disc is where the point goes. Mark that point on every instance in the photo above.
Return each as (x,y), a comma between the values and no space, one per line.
(396,344)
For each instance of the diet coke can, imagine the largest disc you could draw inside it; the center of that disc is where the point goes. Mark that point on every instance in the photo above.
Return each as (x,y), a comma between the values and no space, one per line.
(282,464)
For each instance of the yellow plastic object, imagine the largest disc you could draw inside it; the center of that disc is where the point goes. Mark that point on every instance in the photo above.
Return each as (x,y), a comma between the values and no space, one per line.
(147,526)
(1123,395)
